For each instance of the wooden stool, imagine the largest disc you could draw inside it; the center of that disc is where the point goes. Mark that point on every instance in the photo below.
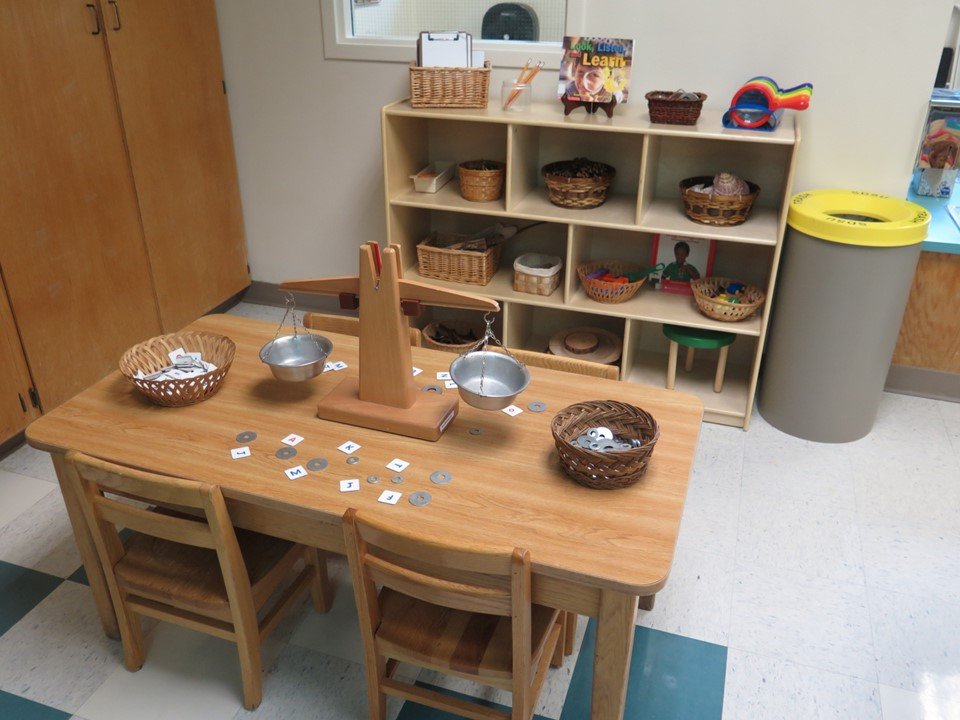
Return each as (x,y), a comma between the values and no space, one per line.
(692,338)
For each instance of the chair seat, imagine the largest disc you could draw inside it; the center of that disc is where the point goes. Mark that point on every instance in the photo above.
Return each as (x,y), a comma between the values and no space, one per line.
(454,641)
(190,577)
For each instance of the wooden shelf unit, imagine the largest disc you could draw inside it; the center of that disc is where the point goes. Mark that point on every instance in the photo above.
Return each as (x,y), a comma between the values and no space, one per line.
(650,161)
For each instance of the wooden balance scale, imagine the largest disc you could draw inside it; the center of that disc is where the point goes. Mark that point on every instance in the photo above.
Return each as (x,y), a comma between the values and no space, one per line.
(385,396)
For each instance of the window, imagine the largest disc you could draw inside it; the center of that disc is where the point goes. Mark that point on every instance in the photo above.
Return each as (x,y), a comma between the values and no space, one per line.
(508,33)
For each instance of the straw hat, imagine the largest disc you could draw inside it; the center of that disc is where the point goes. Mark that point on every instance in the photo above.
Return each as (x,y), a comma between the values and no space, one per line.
(587,343)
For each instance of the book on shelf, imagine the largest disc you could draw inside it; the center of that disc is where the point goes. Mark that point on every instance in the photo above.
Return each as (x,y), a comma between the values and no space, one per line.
(595,69)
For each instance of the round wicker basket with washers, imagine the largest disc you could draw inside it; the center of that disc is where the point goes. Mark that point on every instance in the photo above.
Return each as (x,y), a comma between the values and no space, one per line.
(750,299)
(713,209)
(152,355)
(580,193)
(605,291)
(610,469)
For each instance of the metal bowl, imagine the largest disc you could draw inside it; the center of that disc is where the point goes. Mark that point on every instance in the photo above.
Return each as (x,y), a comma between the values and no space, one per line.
(503,379)
(295,358)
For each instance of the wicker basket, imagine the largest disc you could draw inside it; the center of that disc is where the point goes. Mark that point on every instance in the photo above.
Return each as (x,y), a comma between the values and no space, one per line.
(464,266)
(716,209)
(609,292)
(448,87)
(462,328)
(481,185)
(577,193)
(614,468)
(673,112)
(536,274)
(717,309)
(151,355)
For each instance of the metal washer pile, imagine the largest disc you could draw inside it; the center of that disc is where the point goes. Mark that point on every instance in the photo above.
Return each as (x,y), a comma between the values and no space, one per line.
(602,439)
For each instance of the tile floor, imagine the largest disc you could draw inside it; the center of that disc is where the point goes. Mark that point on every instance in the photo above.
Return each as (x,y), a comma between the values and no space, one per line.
(810,581)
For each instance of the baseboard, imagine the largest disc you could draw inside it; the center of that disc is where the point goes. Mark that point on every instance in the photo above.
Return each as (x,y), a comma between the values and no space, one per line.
(264,293)
(923,382)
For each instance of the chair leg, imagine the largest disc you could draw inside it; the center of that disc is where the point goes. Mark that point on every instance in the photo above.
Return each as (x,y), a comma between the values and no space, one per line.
(688,364)
(131,635)
(376,700)
(557,659)
(570,633)
(672,365)
(251,670)
(320,590)
(721,369)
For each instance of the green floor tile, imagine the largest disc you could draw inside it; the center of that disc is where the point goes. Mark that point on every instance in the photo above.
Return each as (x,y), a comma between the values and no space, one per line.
(20,591)
(13,707)
(415,711)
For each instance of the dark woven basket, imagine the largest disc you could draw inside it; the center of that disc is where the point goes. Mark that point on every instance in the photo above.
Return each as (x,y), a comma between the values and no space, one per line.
(576,193)
(721,210)
(614,468)
(673,112)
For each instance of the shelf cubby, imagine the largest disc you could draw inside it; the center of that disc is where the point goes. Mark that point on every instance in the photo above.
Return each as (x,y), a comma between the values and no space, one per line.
(529,327)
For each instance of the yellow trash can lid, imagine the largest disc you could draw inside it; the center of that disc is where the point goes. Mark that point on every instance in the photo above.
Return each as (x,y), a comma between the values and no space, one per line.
(853,217)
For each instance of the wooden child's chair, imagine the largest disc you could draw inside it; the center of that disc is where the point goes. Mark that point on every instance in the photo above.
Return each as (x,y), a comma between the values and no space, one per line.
(187,565)
(463,612)
(345,325)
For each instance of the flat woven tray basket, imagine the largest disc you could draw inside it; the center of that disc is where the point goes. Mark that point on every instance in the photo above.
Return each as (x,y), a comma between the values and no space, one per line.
(712,209)
(465,266)
(718,309)
(449,87)
(614,468)
(609,292)
(151,355)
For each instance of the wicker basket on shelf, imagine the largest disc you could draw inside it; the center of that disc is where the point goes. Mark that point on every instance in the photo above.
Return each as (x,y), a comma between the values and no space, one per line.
(604,291)
(579,193)
(611,469)
(711,209)
(483,183)
(429,332)
(669,111)
(152,355)
(437,261)
(536,273)
(703,289)
(449,87)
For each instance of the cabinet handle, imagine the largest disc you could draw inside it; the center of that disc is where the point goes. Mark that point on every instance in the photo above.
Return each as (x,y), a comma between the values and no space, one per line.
(116,14)
(96,18)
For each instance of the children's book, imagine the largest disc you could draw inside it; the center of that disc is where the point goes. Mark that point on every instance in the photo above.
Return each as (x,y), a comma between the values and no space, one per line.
(595,69)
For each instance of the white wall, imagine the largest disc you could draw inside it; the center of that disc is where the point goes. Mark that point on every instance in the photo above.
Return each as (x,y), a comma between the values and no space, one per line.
(307,135)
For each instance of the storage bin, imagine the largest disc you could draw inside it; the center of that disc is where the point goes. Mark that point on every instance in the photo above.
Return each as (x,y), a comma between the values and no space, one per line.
(433,177)
(436,260)
(443,87)
(536,273)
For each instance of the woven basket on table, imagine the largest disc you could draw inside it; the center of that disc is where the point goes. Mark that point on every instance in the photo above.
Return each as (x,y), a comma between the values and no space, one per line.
(577,193)
(481,185)
(465,266)
(151,355)
(718,309)
(673,112)
(712,209)
(449,87)
(613,468)
(609,292)
(462,328)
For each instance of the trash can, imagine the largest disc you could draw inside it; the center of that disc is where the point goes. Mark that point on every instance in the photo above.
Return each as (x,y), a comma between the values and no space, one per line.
(848,263)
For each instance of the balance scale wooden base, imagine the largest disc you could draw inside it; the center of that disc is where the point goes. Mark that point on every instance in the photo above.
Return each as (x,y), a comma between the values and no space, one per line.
(385,396)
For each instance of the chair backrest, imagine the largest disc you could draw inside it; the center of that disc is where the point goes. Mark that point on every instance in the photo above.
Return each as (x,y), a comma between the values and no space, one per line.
(345,325)
(475,580)
(210,529)
(566,364)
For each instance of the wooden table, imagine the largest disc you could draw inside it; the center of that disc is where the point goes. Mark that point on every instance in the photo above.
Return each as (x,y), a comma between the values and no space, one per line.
(594,553)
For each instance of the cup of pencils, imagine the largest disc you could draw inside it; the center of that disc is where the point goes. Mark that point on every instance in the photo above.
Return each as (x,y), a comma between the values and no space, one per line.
(515,95)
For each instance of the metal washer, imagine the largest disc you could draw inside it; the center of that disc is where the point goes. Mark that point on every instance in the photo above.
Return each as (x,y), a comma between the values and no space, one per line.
(352,460)
(317,464)
(373,479)
(285,453)
(475,431)
(396,479)
(420,498)
(432,388)
(246,436)
(440,477)
(536,406)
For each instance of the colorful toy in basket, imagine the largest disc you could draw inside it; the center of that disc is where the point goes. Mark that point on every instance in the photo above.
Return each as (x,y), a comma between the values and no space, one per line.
(760,103)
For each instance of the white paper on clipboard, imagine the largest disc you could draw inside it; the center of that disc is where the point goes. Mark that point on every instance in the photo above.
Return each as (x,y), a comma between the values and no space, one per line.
(445,49)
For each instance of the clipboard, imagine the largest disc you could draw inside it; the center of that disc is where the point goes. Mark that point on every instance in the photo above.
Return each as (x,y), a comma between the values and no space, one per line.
(445,49)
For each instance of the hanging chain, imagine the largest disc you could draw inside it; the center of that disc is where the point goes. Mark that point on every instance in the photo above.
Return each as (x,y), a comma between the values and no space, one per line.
(482,344)
(291,302)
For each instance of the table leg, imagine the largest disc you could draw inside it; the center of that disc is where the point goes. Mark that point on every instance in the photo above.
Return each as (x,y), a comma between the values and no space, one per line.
(646,602)
(88,552)
(611,662)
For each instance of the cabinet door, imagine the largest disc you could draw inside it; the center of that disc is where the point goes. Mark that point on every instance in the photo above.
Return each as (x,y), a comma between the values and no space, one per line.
(16,409)
(71,246)
(169,78)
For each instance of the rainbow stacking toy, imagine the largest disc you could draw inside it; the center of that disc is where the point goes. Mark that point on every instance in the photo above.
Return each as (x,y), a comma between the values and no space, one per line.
(760,103)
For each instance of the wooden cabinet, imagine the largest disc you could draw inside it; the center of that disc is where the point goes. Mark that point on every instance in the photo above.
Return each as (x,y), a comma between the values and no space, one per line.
(120,217)
(650,161)
(17,408)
